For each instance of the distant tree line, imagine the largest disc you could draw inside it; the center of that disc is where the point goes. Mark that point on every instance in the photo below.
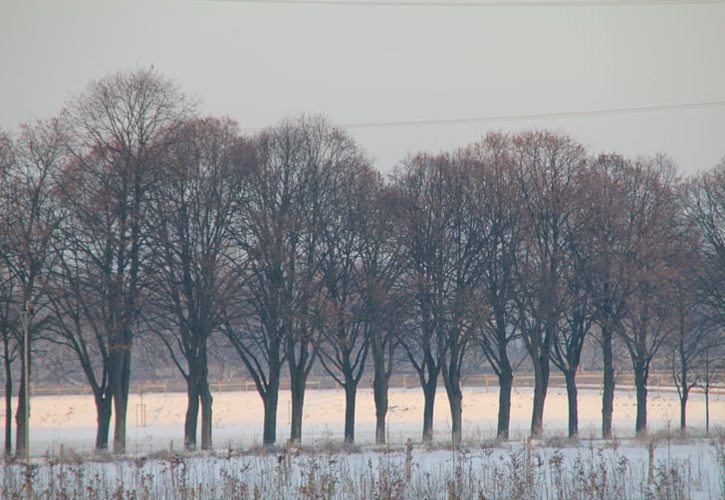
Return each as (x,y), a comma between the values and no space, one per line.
(129,218)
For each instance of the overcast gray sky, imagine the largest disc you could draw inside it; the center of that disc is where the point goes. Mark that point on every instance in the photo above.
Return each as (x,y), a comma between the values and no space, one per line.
(258,62)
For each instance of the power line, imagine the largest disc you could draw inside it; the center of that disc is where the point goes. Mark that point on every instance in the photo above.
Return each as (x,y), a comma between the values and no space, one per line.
(485,4)
(524,117)
(534,116)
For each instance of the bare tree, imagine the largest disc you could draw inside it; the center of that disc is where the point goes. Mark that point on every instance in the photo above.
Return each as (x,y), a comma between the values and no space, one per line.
(345,326)
(191,233)
(711,369)
(377,281)
(705,206)
(579,307)
(8,331)
(30,218)
(326,157)
(117,129)
(78,322)
(9,318)
(546,166)
(602,264)
(420,344)
(578,317)
(442,254)
(654,258)
(300,163)
(498,215)
(693,336)
(692,332)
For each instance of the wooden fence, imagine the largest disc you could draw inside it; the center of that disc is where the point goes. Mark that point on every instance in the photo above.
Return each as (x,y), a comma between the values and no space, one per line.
(658,382)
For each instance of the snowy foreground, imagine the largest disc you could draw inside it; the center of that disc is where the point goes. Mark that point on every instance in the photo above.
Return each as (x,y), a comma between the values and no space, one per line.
(661,466)
(594,469)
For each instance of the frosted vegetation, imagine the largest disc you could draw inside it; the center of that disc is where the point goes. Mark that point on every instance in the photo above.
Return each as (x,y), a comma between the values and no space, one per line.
(662,466)
(656,468)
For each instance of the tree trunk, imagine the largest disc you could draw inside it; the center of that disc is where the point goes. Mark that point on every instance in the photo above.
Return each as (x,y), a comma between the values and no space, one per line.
(684,392)
(270,399)
(640,381)
(20,444)
(607,384)
(199,396)
(429,395)
(206,415)
(455,401)
(707,408)
(706,389)
(8,400)
(269,436)
(541,383)
(380,394)
(505,383)
(299,361)
(297,387)
(452,382)
(121,369)
(103,418)
(350,393)
(192,411)
(571,395)
(683,408)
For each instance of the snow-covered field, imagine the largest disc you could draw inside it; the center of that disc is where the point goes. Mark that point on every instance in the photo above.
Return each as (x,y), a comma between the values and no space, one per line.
(589,469)
(662,466)
(70,420)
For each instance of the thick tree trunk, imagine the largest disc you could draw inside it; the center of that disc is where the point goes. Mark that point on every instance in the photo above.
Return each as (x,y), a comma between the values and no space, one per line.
(380,394)
(505,383)
(683,408)
(429,396)
(120,407)
(298,383)
(192,411)
(270,399)
(103,418)
(206,415)
(350,394)
(541,383)
(121,369)
(571,395)
(269,436)
(199,397)
(640,381)
(607,384)
(452,382)
(297,387)
(455,401)
(299,361)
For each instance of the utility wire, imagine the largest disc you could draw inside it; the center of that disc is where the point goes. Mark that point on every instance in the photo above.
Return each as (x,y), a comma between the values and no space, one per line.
(524,117)
(534,116)
(490,4)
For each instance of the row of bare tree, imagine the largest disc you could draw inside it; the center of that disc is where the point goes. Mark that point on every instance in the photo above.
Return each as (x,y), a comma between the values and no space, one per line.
(129,217)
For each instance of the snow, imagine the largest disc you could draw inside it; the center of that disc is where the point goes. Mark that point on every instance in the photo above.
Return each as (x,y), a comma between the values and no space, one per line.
(589,469)
(661,466)
(70,420)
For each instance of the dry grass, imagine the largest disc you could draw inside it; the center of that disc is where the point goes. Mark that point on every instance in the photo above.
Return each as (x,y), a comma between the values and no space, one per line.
(661,467)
